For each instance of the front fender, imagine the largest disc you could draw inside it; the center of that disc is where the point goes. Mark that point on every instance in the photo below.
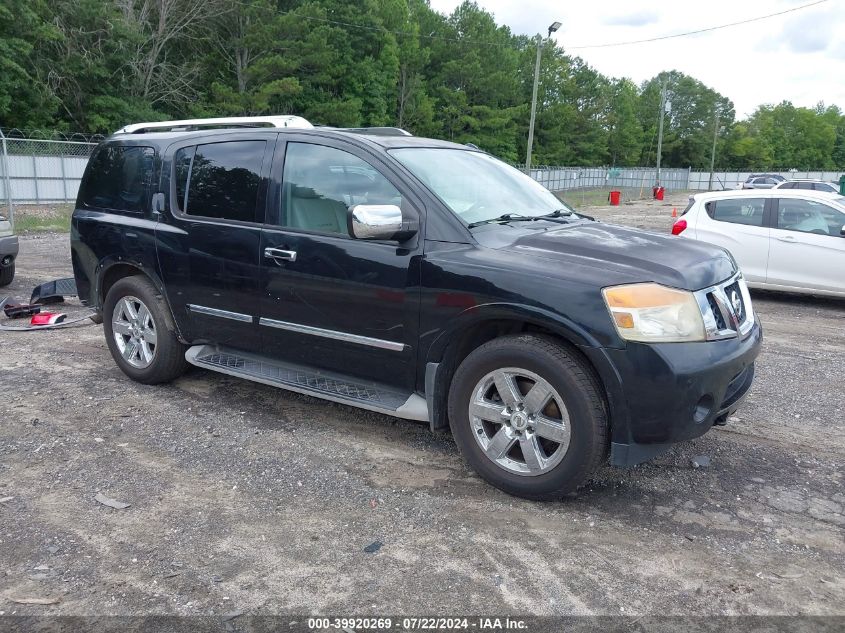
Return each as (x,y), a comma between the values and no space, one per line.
(503,311)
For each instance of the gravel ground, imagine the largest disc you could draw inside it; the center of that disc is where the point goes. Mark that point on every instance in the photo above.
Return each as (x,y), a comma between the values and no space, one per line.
(249,499)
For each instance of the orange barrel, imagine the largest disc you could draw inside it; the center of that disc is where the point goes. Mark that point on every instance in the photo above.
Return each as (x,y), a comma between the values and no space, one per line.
(615,196)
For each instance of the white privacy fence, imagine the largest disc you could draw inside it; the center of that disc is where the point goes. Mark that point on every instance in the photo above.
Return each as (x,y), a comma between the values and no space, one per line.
(566,178)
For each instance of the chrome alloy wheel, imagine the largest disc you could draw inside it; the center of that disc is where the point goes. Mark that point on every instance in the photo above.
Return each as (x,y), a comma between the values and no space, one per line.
(520,421)
(134,332)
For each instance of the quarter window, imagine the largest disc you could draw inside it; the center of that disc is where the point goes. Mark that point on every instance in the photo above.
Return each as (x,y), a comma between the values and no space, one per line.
(119,179)
(806,216)
(320,184)
(738,210)
(219,180)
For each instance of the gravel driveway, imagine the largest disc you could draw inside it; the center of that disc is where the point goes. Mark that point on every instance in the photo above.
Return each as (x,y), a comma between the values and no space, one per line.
(248,499)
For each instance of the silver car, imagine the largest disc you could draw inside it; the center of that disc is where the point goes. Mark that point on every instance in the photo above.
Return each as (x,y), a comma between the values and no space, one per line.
(810,185)
(761,182)
(8,251)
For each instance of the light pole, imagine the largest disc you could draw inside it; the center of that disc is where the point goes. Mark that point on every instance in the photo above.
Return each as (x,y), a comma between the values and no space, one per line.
(660,129)
(713,152)
(552,28)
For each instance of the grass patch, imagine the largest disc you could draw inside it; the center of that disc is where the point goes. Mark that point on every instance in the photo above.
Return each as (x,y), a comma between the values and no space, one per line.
(43,219)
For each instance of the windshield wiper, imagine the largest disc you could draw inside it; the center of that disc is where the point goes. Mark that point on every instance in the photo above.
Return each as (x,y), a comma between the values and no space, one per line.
(559,213)
(505,217)
(568,213)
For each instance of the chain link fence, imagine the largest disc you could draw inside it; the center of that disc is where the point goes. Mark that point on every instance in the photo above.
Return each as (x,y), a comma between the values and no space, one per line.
(41,170)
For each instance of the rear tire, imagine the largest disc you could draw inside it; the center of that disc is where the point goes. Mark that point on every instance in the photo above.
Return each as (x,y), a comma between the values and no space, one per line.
(547,435)
(7,274)
(140,332)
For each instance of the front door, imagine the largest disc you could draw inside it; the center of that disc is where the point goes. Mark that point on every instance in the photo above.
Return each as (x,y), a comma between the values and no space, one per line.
(209,244)
(328,300)
(807,248)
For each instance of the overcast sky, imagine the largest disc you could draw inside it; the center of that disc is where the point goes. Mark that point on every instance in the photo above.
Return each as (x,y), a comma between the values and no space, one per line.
(799,57)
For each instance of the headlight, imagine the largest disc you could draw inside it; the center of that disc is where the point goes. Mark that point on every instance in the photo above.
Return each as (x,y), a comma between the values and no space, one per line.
(652,313)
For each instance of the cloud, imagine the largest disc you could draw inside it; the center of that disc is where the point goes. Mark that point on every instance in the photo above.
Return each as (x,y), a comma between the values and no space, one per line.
(638,18)
(810,33)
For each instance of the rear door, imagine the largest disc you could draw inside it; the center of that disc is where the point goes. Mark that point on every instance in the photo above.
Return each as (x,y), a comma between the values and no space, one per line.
(330,301)
(738,224)
(209,242)
(807,248)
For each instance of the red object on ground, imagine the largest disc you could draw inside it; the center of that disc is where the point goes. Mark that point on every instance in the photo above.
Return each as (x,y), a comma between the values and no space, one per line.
(615,196)
(658,192)
(679,227)
(47,318)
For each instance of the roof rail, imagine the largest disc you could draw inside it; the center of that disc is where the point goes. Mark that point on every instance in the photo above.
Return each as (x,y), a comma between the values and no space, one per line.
(222,122)
(376,131)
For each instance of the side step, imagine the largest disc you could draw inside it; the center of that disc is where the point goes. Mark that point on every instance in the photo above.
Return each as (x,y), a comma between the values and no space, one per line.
(310,381)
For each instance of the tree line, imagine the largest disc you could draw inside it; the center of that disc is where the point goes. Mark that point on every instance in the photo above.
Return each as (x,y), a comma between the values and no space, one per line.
(94,65)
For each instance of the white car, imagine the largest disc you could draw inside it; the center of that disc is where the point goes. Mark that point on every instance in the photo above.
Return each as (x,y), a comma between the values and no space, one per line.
(814,185)
(783,239)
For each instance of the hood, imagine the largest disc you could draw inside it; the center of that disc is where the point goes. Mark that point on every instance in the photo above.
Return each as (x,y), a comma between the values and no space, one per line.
(617,254)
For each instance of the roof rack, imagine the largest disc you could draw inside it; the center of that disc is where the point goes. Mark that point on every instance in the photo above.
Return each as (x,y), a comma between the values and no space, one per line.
(222,122)
(376,131)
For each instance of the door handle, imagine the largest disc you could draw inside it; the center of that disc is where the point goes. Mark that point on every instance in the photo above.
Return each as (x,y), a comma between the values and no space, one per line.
(279,254)
(787,238)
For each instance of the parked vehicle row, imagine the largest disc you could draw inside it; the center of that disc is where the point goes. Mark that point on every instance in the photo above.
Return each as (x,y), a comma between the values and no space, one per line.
(783,239)
(776,181)
(413,277)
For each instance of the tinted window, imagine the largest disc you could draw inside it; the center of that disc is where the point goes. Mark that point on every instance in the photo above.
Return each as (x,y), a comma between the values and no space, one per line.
(823,186)
(805,185)
(219,180)
(119,179)
(738,210)
(788,185)
(806,216)
(321,183)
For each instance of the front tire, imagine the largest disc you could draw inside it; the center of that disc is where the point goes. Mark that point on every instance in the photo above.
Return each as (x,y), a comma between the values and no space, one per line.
(528,415)
(140,333)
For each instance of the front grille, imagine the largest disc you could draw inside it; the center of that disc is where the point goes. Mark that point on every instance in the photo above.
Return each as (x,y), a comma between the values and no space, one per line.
(717,314)
(726,309)
(734,294)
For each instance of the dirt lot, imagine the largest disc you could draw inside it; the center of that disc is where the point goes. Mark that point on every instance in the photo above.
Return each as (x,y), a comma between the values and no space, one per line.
(248,499)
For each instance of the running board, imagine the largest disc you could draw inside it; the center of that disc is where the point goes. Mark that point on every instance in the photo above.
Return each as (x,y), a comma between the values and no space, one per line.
(310,381)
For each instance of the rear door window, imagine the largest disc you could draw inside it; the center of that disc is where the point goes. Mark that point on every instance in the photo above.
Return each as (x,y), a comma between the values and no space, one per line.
(738,210)
(220,180)
(119,179)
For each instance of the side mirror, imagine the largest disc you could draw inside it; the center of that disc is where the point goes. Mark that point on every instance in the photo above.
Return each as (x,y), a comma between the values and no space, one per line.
(375,222)
(842,231)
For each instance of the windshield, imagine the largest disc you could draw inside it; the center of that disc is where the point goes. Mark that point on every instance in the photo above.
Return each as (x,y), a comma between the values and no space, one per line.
(478,187)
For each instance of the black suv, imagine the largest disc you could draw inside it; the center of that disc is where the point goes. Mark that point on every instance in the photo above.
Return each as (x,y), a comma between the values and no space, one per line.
(417,278)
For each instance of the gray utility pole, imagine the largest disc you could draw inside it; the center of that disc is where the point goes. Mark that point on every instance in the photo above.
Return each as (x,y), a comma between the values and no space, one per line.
(552,28)
(533,105)
(713,152)
(660,129)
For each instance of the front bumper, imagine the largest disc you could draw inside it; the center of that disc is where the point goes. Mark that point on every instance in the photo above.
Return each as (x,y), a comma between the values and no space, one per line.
(8,247)
(667,393)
